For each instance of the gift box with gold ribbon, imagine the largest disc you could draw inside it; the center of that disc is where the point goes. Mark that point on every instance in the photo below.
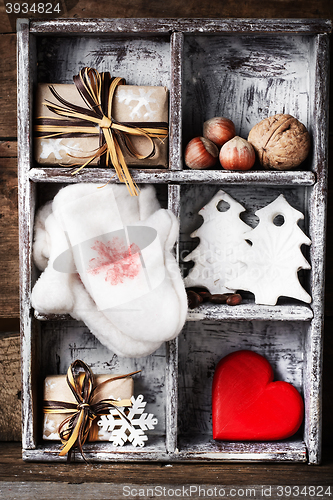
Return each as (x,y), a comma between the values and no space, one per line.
(73,403)
(101,121)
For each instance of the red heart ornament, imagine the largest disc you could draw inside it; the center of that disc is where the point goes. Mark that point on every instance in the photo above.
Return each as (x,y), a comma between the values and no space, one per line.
(248,405)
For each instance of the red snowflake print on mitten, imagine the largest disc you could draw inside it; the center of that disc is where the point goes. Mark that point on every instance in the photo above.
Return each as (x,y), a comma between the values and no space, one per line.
(116,260)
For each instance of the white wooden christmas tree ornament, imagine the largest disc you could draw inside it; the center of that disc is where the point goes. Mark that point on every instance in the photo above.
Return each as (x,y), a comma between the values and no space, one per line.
(217,258)
(274,256)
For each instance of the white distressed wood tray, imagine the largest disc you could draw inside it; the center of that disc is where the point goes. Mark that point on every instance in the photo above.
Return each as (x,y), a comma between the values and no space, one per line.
(243,69)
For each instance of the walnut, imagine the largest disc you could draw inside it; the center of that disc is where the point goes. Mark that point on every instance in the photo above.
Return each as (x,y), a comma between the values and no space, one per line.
(280,141)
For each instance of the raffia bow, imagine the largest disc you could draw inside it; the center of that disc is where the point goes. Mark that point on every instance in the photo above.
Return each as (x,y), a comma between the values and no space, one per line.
(97,90)
(74,430)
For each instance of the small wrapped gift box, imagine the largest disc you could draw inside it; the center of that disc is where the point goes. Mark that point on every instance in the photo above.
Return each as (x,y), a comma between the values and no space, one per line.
(140,106)
(56,388)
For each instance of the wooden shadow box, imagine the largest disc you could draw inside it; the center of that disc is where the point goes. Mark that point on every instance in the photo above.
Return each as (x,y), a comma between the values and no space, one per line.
(245,70)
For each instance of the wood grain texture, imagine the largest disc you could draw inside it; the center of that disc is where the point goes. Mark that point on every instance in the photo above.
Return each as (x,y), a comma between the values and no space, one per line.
(9,276)
(264,178)
(87,490)
(117,491)
(60,57)
(10,387)
(327,437)
(196,25)
(329,241)
(199,449)
(317,232)
(8,85)
(26,194)
(8,149)
(14,469)
(171,379)
(175,9)
(175,141)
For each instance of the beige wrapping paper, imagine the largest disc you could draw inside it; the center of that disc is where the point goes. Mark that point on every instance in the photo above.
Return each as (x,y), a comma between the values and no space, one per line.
(131,104)
(57,389)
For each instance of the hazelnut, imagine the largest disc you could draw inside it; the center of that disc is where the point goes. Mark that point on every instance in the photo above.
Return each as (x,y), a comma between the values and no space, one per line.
(201,153)
(219,130)
(237,154)
(280,141)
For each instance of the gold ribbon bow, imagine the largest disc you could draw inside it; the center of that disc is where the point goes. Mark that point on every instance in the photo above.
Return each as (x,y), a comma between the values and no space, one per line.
(97,90)
(74,430)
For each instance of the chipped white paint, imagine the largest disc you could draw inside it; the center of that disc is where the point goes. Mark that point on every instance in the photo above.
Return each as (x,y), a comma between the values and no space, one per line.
(248,311)
(102,175)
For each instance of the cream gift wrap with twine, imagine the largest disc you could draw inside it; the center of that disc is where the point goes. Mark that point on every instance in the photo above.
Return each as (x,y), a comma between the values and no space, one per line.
(107,259)
(86,402)
(132,103)
(56,389)
(100,120)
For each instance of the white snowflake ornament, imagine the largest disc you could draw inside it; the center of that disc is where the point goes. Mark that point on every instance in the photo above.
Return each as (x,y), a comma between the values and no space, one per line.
(120,427)
(217,257)
(274,256)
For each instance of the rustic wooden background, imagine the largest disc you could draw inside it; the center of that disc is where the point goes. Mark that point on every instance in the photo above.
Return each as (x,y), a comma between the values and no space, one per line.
(9,288)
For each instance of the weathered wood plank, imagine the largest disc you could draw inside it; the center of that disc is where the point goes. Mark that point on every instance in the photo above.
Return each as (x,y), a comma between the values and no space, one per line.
(9,272)
(10,387)
(317,232)
(247,311)
(171,379)
(175,140)
(327,402)
(8,86)
(329,263)
(61,57)
(160,25)
(63,174)
(14,469)
(26,213)
(49,491)
(193,450)
(329,235)
(8,149)
(175,9)
(249,452)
